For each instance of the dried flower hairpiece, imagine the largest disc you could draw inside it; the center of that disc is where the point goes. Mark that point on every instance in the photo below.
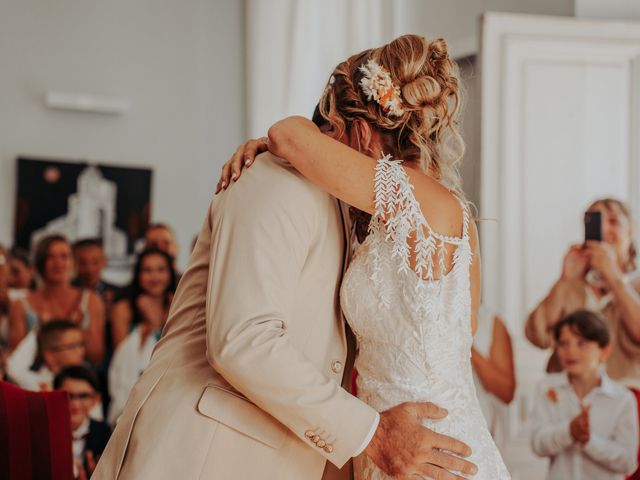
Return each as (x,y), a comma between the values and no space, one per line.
(378,86)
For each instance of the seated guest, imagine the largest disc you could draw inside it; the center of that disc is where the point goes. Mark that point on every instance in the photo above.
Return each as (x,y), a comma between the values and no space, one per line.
(57,298)
(601,277)
(59,344)
(90,261)
(155,286)
(4,294)
(149,295)
(586,423)
(89,436)
(21,274)
(494,373)
(4,357)
(161,237)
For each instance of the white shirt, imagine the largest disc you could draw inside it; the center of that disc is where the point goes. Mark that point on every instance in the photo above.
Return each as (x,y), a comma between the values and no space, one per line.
(495,411)
(129,360)
(612,449)
(19,366)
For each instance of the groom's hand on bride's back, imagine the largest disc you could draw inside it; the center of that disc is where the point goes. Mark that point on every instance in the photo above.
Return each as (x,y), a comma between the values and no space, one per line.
(403,447)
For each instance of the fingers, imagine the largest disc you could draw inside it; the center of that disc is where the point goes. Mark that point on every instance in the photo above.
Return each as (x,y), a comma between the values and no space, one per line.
(444,442)
(428,410)
(438,473)
(91,461)
(450,463)
(235,164)
(254,148)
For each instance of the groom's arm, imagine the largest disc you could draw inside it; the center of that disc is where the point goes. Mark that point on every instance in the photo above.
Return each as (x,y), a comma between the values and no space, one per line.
(261,236)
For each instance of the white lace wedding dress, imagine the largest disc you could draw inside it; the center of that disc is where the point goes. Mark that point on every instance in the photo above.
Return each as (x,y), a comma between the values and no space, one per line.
(413,329)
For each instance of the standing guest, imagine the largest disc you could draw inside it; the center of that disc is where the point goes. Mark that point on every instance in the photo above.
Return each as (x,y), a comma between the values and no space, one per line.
(494,373)
(59,344)
(599,276)
(57,298)
(148,297)
(586,423)
(90,262)
(89,436)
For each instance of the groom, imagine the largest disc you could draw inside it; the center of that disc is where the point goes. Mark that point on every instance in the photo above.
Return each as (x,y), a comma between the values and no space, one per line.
(246,380)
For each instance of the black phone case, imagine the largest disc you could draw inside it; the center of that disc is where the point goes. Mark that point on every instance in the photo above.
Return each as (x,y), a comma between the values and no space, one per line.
(593,226)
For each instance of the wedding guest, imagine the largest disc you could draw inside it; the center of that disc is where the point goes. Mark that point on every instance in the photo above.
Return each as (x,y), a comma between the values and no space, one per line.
(586,423)
(148,297)
(59,343)
(601,277)
(89,436)
(21,274)
(57,298)
(494,373)
(162,237)
(4,294)
(90,261)
(4,357)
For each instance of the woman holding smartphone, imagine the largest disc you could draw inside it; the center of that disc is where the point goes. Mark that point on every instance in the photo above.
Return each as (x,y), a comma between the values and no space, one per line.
(599,276)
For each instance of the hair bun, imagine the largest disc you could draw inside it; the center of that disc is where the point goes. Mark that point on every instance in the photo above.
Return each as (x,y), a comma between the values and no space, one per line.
(438,50)
(421,92)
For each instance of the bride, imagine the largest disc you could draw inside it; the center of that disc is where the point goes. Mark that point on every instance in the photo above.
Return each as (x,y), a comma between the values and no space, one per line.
(384,140)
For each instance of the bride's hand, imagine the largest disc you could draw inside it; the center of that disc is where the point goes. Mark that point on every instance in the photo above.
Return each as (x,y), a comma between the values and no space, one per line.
(243,157)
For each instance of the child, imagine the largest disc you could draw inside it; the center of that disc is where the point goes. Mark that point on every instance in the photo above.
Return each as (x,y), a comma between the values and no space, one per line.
(59,343)
(585,422)
(89,436)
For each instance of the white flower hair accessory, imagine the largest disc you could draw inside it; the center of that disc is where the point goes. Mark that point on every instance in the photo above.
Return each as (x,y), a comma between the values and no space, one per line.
(377,85)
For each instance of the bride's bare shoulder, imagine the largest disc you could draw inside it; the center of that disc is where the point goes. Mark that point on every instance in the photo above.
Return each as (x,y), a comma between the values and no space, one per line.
(441,208)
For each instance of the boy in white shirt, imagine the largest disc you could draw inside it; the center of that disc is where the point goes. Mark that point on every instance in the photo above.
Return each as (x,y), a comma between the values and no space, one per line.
(584,421)
(60,344)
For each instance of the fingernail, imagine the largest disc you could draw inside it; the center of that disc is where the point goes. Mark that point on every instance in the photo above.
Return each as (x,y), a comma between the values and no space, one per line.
(224,184)
(234,176)
(444,411)
(247,162)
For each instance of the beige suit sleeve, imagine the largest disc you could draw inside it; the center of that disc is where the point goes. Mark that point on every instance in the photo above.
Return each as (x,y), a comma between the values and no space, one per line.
(260,240)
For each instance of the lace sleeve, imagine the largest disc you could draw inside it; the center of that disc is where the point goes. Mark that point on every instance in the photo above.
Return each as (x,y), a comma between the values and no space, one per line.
(398,214)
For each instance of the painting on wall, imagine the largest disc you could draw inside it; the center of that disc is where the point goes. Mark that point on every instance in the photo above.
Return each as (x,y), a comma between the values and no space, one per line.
(82,200)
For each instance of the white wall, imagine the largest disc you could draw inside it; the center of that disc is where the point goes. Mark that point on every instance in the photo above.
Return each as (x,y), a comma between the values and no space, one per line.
(458,20)
(611,9)
(180,63)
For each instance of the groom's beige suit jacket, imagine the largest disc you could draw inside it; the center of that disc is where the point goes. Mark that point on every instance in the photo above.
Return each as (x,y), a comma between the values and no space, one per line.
(245,382)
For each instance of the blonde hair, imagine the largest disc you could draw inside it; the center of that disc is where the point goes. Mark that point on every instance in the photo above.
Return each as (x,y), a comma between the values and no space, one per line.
(426,132)
(611,204)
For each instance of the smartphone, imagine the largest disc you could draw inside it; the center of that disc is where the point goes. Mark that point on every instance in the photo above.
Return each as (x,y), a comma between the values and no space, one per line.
(593,226)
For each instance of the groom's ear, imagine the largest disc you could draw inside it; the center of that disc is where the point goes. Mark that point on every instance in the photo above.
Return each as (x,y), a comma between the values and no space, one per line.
(362,135)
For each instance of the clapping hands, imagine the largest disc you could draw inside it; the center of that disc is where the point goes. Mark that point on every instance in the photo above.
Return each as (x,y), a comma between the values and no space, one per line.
(580,427)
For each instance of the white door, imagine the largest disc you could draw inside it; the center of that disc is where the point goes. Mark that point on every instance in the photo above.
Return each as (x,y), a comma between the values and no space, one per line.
(560,128)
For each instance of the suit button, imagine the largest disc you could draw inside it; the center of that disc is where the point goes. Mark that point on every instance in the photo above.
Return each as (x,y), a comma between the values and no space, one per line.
(336,366)
(328,448)
(315,439)
(321,443)
(309,433)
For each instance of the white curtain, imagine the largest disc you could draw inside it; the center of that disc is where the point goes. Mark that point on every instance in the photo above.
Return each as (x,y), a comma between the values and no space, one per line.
(293,45)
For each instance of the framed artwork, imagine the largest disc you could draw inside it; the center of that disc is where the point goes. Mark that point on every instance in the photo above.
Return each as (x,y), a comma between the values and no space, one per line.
(82,200)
